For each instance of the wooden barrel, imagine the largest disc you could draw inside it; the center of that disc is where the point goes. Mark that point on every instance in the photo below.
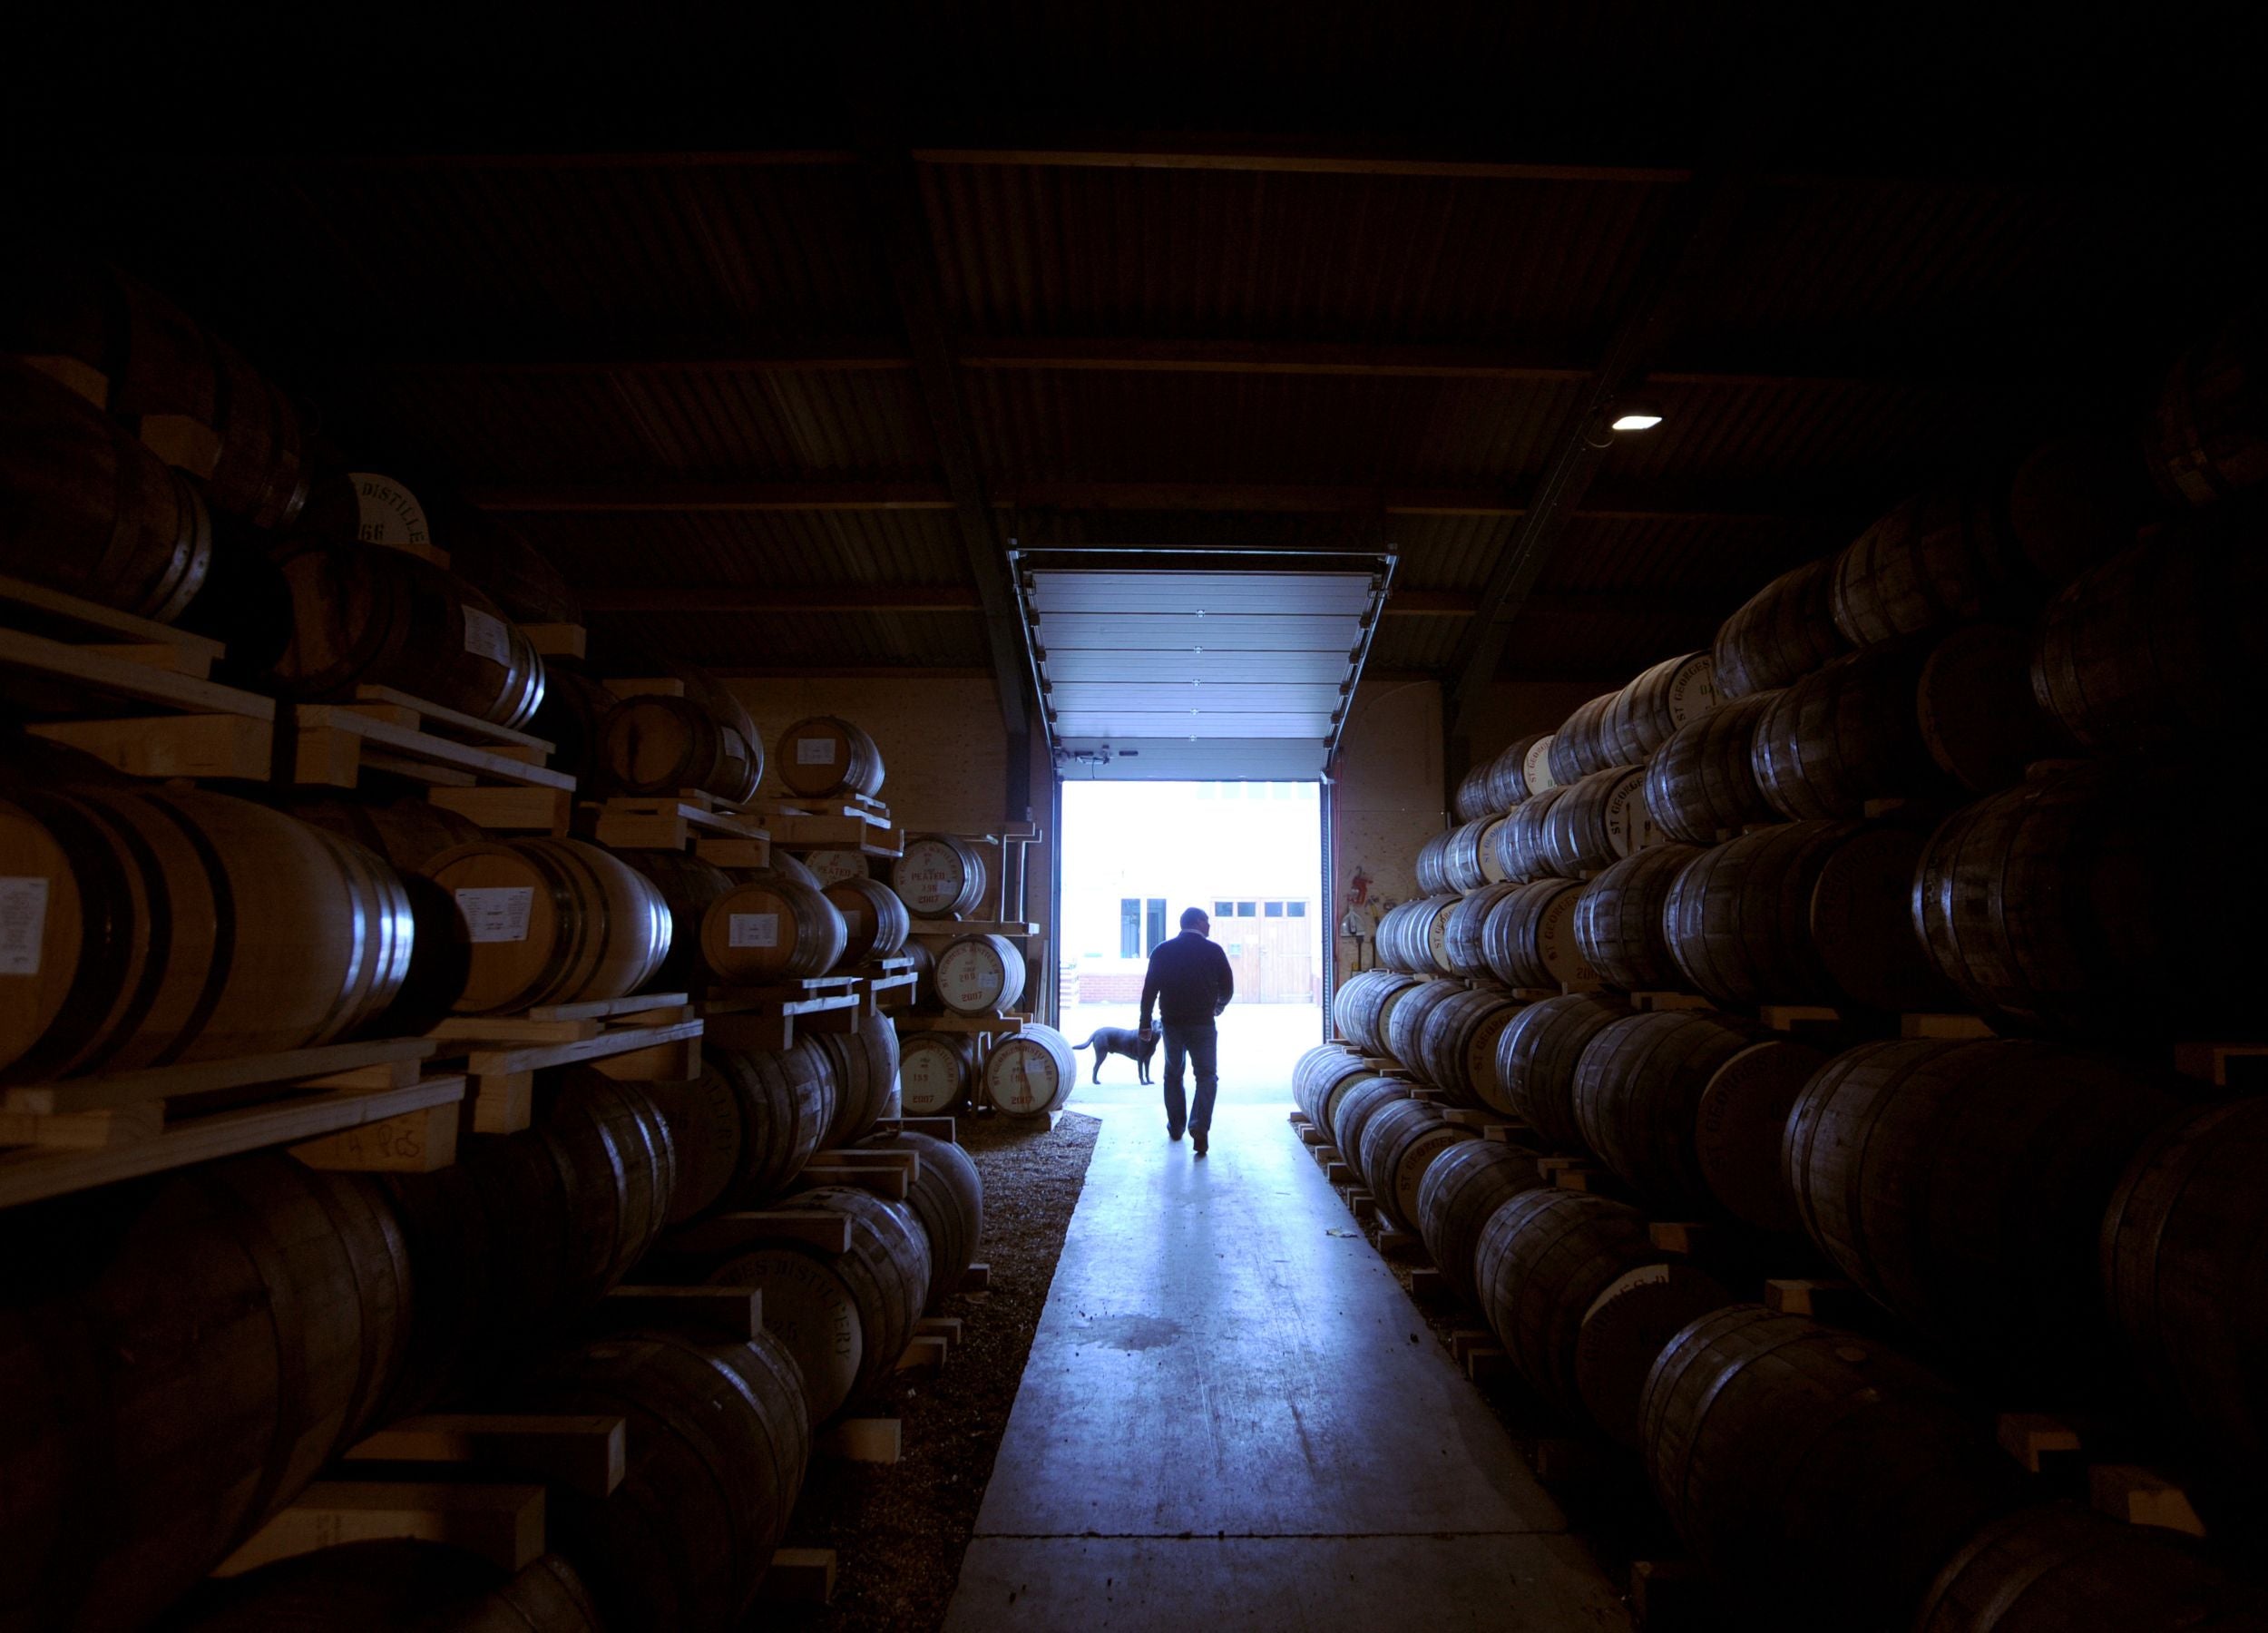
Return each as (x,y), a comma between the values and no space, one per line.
(1536,1058)
(1963,1185)
(1031,1073)
(189,393)
(657,745)
(1399,1143)
(1655,703)
(2061,1567)
(866,1070)
(2209,438)
(1804,912)
(1519,843)
(1471,799)
(845,1318)
(2181,1273)
(408,831)
(1848,734)
(1596,822)
(1462,1188)
(2075,902)
(1463,942)
(147,926)
(745,1127)
(1542,1261)
(1405,1024)
(947,1197)
(1979,716)
(1363,1003)
(824,756)
(2075,501)
(1941,558)
(572,718)
(1701,784)
(688,887)
(1414,936)
(1431,867)
(1617,922)
(511,1243)
(1490,858)
(875,921)
(376,617)
(833,866)
(1460,857)
(1818,1466)
(2152,653)
(1507,772)
(372,1586)
(182,1356)
(716,1446)
(86,509)
(1579,747)
(551,921)
(770,927)
(1534,766)
(937,1072)
(1358,1103)
(939,876)
(1529,936)
(1688,1108)
(1781,633)
(1456,1043)
(1316,1073)
(980,974)
(1625,1331)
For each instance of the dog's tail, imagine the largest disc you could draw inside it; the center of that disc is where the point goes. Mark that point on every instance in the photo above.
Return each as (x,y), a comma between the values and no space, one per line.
(1090,1038)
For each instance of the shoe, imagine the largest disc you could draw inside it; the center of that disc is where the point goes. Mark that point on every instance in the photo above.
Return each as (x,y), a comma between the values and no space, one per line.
(1173,1133)
(1197,1141)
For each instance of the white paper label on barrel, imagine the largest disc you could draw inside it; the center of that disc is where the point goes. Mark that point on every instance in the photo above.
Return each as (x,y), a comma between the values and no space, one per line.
(814,751)
(735,746)
(496,912)
(23,925)
(485,636)
(386,512)
(752,929)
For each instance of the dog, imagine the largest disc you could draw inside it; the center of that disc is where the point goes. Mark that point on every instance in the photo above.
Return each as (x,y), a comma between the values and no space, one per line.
(1116,1039)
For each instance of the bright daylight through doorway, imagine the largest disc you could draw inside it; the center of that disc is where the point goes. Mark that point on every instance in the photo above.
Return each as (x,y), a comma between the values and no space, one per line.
(1250,854)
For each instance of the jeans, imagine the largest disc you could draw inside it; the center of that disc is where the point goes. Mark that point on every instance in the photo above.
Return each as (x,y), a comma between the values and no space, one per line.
(1200,1043)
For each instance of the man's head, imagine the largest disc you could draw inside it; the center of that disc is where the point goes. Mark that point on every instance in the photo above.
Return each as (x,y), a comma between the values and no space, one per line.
(1193,918)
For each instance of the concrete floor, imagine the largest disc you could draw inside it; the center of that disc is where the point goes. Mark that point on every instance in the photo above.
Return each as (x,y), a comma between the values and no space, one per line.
(1232,1418)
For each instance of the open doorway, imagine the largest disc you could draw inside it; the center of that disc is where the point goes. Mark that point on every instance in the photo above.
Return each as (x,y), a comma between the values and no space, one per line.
(1250,854)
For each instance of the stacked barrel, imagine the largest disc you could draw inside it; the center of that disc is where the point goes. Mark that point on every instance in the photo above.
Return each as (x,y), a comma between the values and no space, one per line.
(1873,937)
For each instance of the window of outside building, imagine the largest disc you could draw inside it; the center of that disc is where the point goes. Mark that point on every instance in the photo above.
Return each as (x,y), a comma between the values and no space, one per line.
(1296,909)
(1272,909)
(1129,927)
(1224,910)
(1247,909)
(1156,927)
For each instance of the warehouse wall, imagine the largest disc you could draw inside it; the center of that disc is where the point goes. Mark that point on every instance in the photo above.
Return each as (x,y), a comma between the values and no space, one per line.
(1388,799)
(946,755)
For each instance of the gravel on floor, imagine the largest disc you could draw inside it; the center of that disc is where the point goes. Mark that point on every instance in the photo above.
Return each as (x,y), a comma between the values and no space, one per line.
(899,1529)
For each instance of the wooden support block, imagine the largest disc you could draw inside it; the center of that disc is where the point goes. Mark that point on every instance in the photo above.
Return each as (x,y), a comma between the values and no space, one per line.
(947,1328)
(1591,1182)
(1298,1120)
(1669,1001)
(504,1103)
(557,639)
(387,1075)
(504,1524)
(728,1233)
(1309,1135)
(1465,1339)
(585,1454)
(921,1353)
(1428,1097)
(937,1128)
(1338,1173)
(1485,1364)
(1536,994)
(1425,1282)
(860,1440)
(1674,1596)
(2142,1496)
(1792,1017)
(1948,1027)
(1551,1168)
(977,1278)
(890,1184)
(1680,1236)
(1362,1205)
(730,1312)
(869,1157)
(799,1576)
(1835,1302)
(2225,1065)
(218,746)
(510,810)
(735,853)
(1471,1117)
(416,1143)
(762,1033)
(2043,1444)
(1393,1242)
(513,1029)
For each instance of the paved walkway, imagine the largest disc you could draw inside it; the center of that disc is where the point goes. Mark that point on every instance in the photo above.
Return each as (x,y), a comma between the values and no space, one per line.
(1232,1418)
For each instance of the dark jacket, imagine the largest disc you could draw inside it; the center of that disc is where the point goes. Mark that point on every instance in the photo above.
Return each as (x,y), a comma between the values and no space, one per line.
(1189,981)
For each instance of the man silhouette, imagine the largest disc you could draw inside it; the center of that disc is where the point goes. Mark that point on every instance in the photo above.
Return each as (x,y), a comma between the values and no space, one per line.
(1189,983)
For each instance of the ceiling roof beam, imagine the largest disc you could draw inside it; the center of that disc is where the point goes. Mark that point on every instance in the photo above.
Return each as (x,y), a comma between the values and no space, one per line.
(955,598)
(1292,159)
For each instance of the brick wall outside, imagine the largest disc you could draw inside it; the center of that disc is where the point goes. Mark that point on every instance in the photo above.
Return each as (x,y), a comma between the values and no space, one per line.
(1111,986)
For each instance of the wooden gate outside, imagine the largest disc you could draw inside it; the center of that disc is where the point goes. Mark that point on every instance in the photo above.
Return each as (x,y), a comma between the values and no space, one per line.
(1274,958)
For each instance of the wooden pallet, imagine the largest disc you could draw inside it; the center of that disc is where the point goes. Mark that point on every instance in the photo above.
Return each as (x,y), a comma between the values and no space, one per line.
(770,1017)
(332,745)
(1010,928)
(845,822)
(105,669)
(646,1037)
(374,1107)
(1002,1026)
(690,819)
